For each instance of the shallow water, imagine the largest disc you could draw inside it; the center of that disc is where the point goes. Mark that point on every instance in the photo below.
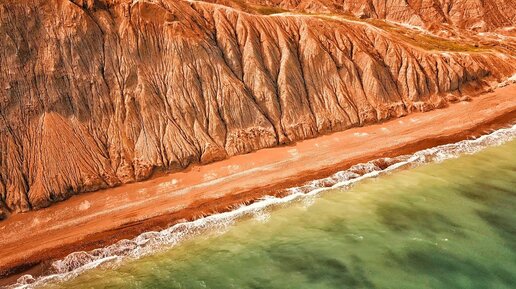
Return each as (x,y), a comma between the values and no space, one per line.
(444,225)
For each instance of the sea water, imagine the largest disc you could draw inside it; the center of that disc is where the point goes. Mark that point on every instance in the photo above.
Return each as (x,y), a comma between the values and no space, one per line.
(442,218)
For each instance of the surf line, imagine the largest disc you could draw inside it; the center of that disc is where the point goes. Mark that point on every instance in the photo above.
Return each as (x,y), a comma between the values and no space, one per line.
(155,241)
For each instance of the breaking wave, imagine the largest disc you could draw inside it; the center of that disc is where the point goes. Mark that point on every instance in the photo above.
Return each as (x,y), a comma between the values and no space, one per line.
(152,242)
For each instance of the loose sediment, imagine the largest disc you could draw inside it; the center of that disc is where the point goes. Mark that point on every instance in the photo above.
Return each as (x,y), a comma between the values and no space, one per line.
(149,242)
(93,220)
(436,15)
(95,94)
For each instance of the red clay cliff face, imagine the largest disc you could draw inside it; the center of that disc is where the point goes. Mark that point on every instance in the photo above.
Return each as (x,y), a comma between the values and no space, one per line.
(94,94)
(478,15)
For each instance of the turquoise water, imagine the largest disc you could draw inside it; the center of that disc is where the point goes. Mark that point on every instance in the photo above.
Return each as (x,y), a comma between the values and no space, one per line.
(443,225)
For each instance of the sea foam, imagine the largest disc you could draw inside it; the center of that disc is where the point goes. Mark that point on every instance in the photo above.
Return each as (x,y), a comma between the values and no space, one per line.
(152,242)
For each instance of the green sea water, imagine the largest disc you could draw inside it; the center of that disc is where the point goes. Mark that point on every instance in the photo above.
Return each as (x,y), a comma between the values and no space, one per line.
(443,225)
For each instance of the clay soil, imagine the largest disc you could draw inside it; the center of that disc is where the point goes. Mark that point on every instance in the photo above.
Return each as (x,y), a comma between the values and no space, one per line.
(30,241)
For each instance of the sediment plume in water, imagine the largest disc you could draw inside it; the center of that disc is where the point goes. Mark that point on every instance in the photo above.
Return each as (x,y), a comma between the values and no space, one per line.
(152,242)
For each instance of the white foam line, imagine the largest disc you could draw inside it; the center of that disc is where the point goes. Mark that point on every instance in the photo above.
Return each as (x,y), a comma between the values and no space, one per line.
(152,242)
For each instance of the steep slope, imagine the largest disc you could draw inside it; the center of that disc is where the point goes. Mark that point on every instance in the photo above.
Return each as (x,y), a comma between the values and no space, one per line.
(99,93)
(479,15)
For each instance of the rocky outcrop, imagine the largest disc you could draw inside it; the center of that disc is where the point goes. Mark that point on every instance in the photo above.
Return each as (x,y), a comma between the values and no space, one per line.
(94,94)
(478,15)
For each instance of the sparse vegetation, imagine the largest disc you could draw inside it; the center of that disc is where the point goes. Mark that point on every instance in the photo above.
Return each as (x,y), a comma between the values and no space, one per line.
(407,35)
(424,40)
(258,9)
(410,36)
(269,10)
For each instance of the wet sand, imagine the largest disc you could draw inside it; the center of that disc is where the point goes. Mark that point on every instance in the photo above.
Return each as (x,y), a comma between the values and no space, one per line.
(30,241)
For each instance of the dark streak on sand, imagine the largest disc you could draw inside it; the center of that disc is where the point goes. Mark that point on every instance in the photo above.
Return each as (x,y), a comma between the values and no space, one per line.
(36,262)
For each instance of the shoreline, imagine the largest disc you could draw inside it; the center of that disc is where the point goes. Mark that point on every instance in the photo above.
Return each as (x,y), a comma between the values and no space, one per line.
(92,220)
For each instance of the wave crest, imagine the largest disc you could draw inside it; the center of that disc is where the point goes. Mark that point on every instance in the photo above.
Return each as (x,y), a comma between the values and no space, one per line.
(152,242)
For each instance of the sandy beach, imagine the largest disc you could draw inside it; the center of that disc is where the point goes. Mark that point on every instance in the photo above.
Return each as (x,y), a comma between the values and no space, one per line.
(30,241)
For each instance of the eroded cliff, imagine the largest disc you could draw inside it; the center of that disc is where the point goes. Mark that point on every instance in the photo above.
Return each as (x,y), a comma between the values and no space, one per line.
(436,15)
(99,93)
